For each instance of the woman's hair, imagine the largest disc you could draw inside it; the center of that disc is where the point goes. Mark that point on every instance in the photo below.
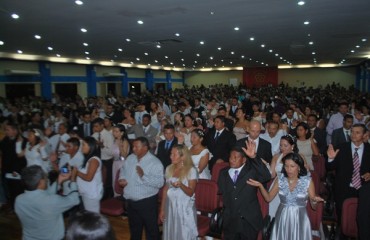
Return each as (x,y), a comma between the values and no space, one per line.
(291,140)
(306,128)
(194,123)
(38,134)
(295,157)
(187,162)
(200,133)
(89,226)
(94,149)
(122,129)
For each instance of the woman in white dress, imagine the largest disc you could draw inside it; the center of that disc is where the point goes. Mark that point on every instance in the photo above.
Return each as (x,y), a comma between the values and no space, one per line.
(200,154)
(36,151)
(189,126)
(241,126)
(178,212)
(89,176)
(120,150)
(306,143)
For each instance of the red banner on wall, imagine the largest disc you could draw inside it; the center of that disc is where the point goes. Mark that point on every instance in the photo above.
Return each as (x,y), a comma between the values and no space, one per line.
(260,76)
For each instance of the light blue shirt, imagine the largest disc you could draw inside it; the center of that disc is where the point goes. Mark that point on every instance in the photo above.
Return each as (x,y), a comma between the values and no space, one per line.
(148,185)
(41,212)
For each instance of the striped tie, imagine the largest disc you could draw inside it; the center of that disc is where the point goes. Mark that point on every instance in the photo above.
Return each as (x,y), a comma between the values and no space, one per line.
(356,179)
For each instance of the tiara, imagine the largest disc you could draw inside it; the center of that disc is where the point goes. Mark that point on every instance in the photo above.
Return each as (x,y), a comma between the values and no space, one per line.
(291,137)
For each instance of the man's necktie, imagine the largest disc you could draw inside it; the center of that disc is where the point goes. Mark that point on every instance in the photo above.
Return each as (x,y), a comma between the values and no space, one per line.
(167,145)
(348,138)
(235,177)
(86,129)
(356,179)
(217,135)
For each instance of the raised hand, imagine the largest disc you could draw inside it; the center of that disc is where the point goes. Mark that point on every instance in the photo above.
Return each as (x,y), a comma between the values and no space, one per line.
(251,148)
(253,183)
(331,152)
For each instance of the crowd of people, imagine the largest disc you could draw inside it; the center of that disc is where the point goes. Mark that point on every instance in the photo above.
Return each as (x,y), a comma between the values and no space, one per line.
(167,140)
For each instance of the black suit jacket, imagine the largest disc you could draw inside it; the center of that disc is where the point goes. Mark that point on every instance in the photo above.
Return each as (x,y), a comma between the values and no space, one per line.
(233,113)
(338,137)
(343,165)
(163,154)
(221,147)
(320,136)
(263,150)
(241,207)
(81,130)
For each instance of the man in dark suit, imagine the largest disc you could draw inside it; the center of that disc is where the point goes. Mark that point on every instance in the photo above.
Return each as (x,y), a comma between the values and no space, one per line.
(351,162)
(290,121)
(85,129)
(242,217)
(318,134)
(219,141)
(233,107)
(165,146)
(115,116)
(145,129)
(263,146)
(342,135)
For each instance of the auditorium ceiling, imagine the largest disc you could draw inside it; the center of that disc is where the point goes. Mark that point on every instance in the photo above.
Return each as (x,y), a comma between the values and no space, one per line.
(187,34)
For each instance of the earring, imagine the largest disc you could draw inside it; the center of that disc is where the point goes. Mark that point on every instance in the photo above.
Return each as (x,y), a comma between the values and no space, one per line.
(182,163)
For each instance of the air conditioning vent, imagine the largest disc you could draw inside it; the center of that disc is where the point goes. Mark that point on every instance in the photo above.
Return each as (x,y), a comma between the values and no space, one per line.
(113,74)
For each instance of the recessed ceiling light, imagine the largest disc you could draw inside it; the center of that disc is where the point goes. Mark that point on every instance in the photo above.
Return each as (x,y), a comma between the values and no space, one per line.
(37,36)
(281,57)
(313,53)
(140,22)
(50,48)
(137,59)
(263,45)
(183,65)
(85,44)
(83,30)
(364,39)
(171,63)
(198,55)
(20,51)
(276,54)
(58,55)
(311,43)
(87,53)
(251,38)
(301,3)
(352,51)
(177,34)
(232,52)
(148,64)
(306,22)
(158,46)
(156,61)
(146,54)
(219,48)
(87,58)
(211,58)
(212,13)
(120,49)
(165,56)
(128,40)
(195,61)
(132,63)
(271,50)
(201,42)
(1,43)
(358,46)
(231,62)
(243,56)
(236,28)
(15,16)
(180,51)
(222,60)
(78,2)
(182,59)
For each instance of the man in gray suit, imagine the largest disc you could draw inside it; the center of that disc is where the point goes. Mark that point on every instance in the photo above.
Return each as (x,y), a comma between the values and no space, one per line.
(145,129)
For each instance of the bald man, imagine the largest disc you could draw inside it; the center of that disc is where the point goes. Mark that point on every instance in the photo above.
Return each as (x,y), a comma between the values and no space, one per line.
(263,147)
